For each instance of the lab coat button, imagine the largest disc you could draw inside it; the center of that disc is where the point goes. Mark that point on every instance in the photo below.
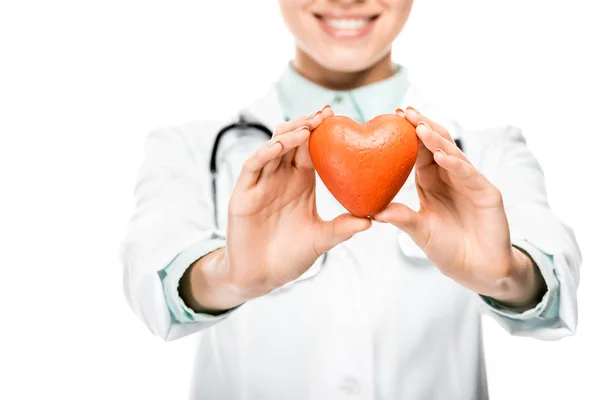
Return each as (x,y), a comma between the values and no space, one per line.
(350,386)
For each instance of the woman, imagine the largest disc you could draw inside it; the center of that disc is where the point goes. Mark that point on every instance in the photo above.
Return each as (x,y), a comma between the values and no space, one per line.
(289,303)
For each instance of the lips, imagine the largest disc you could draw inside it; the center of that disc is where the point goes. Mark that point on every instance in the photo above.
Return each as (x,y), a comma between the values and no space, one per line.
(346,26)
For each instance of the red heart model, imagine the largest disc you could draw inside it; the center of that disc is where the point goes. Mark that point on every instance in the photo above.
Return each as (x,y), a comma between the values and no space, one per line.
(364,165)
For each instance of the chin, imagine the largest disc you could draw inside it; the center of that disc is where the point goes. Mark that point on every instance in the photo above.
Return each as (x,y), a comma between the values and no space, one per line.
(348,61)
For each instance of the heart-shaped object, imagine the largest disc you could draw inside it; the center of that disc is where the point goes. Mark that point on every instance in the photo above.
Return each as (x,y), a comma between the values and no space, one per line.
(364,166)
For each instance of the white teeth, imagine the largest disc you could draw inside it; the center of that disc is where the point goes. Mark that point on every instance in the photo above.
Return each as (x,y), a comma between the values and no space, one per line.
(347,24)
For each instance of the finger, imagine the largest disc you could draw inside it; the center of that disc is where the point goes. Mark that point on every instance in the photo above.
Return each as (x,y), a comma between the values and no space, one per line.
(302,155)
(289,126)
(326,112)
(310,120)
(400,112)
(289,141)
(403,217)
(459,169)
(434,141)
(414,117)
(424,156)
(280,145)
(340,229)
(253,166)
(272,165)
(318,117)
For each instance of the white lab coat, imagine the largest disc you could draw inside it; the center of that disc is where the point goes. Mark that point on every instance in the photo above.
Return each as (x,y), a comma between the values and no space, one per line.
(374,321)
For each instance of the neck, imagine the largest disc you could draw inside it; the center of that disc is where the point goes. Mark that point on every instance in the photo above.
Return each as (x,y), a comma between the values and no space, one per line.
(335,80)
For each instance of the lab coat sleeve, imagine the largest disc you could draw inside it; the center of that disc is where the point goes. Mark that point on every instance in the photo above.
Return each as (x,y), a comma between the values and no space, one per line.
(536,230)
(172,227)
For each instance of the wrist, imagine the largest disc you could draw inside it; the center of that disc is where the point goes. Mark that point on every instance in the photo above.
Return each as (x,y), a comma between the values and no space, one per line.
(524,288)
(205,286)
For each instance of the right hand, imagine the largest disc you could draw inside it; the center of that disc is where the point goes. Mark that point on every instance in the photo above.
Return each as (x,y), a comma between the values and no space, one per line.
(274,233)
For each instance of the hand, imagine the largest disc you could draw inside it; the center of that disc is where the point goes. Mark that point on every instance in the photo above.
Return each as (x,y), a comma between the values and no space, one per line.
(274,232)
(461,225)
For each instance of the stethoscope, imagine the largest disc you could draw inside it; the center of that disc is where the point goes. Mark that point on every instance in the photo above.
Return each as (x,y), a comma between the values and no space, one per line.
(240,124)
(407,247)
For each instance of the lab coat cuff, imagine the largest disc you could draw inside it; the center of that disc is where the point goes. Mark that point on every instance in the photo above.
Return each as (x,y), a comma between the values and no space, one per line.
(172,273)
(547,308)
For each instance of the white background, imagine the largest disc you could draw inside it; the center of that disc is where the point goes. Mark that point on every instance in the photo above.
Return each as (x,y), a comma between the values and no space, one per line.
(83,82)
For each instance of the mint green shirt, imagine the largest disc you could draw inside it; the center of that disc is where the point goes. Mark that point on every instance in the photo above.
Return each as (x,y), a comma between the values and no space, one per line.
(299,96)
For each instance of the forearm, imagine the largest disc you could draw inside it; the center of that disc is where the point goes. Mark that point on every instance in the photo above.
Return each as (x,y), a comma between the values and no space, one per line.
(205,286)
(524,288)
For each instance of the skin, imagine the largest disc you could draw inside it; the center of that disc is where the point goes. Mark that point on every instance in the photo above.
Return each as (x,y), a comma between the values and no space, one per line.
(343,64)
(270,221)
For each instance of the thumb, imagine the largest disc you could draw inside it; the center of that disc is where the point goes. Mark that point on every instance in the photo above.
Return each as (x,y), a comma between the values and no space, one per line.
(340,229)
(404,218)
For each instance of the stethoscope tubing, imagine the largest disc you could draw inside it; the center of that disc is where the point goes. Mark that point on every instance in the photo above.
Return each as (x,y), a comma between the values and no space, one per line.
(240,124)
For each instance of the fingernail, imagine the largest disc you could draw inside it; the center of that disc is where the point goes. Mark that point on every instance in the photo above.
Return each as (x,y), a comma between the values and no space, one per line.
(325,107)
(440,152)
(273,143)
(299,129)
(312,115)
(400,112)
(412,108)
(424,123)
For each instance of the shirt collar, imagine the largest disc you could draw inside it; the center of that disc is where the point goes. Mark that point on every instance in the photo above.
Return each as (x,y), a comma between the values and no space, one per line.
(298,96)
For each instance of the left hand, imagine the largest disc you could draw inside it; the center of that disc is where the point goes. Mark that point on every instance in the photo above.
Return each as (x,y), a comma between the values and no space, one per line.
(461,225)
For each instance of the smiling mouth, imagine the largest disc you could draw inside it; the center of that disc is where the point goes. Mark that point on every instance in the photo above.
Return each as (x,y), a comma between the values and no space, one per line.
(346,27)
